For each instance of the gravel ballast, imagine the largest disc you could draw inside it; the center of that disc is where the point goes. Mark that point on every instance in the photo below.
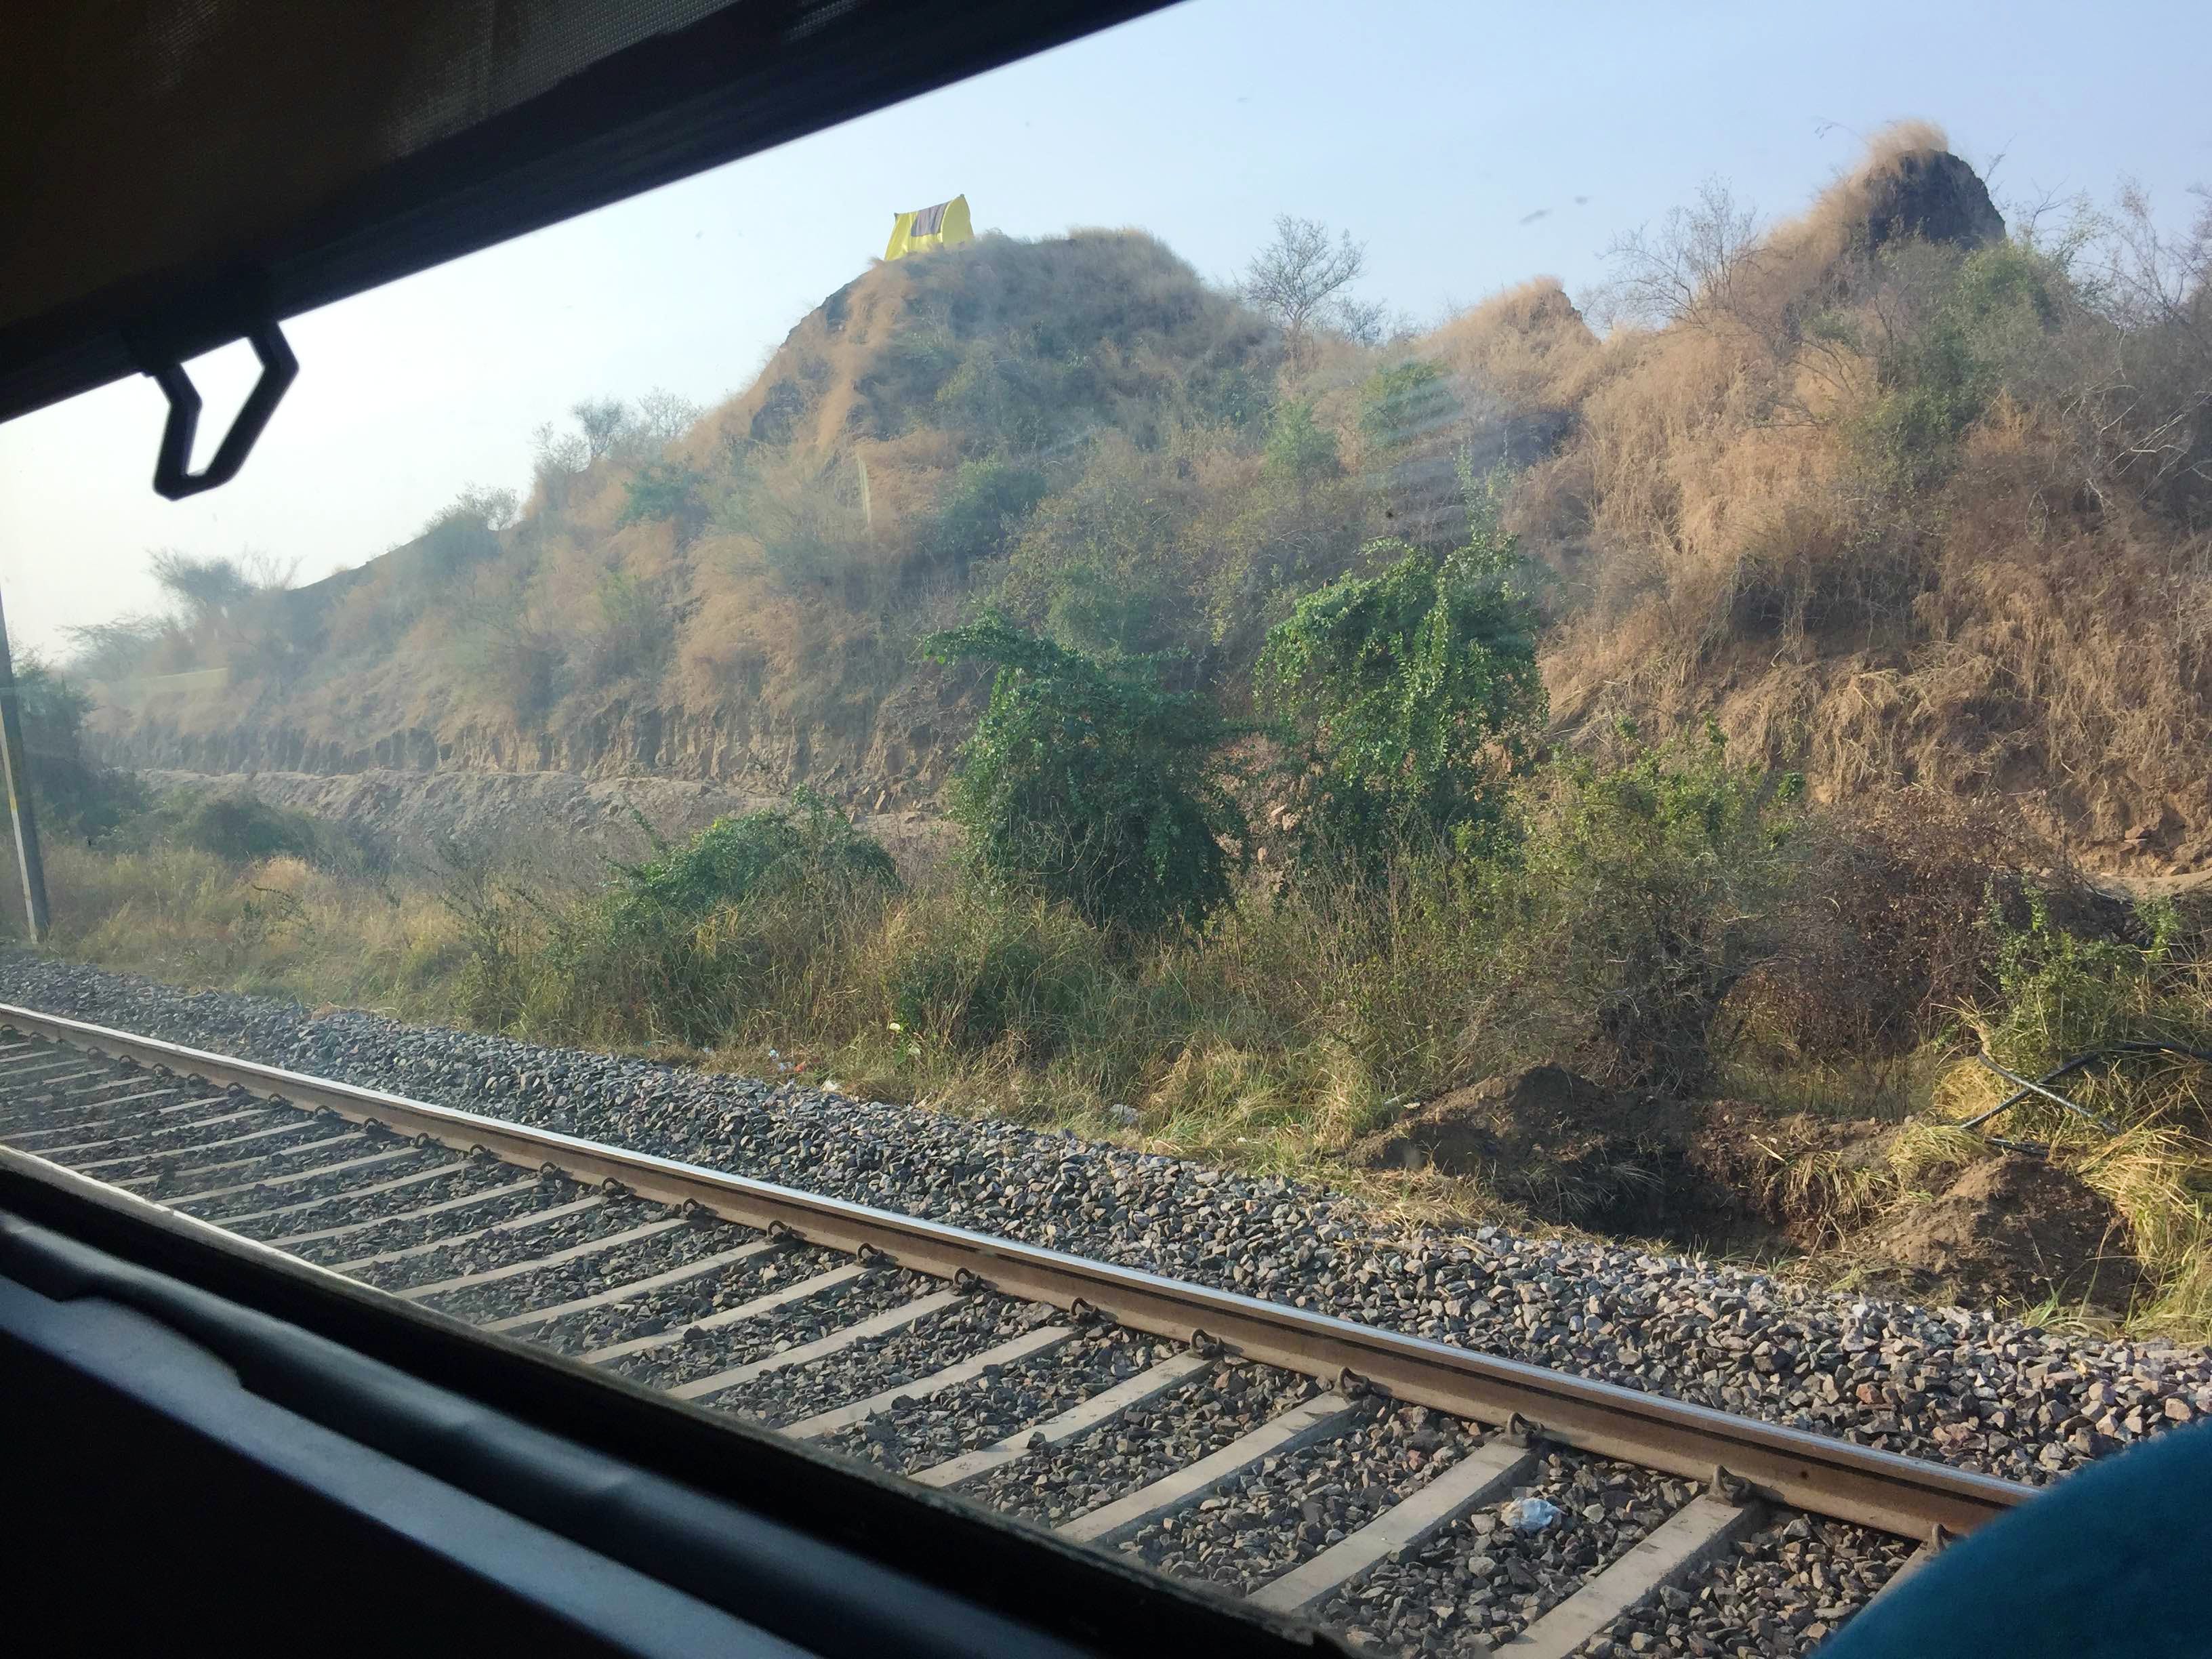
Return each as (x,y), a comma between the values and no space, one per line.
(893,1360)
(1286,1509)
(1146,1444)
(383,1206)
(399,1232)
(1783,1591)
(1958,1386)
(704,1353)
(1481,1581)
(921,1433)
(259,1190)
(604,1268)
(673,1306)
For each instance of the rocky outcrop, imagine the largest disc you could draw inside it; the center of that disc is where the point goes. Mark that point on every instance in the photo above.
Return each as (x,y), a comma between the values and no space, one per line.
(899,761)
(1932,194)
(556,817)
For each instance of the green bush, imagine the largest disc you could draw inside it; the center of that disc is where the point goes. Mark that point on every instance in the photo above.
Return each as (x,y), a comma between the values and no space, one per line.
(73,794)
(609,972)
(240,830)
(686,944)
(2059,992)
(805,843)
(667,492)
(978,515)
(1090,782)
(1300,451)
(1637,897)
(1404,404)
(1414,690)
(1970,325)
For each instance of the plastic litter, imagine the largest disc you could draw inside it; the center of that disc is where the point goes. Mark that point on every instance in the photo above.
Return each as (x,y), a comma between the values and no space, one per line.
(1530,1514)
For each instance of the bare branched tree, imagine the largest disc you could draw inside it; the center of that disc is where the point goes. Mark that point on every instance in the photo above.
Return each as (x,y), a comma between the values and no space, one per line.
(606,423)
(213,589)
(1689,270)
(112,650)
(494,508)
(1299,279)
(2157,286)
(1365,322)
(663,416)
(555,452)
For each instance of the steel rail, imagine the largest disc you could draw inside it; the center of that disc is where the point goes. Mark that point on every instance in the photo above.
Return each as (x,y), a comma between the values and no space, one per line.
(1828,1477)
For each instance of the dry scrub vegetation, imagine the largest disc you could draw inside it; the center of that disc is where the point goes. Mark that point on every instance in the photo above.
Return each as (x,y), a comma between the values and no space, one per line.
(1900,500)
(1867,559)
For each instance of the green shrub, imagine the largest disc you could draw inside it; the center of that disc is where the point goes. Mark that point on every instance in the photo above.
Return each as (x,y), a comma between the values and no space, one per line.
(1090,782)
(240,830)
(805,843)
(2059,992)
(1970,326)
(611,973)
(688,944)
(977,516)
(1406,403)
(1637,898)
(667,492)
(73,794)
(1300,452)
(1414,690)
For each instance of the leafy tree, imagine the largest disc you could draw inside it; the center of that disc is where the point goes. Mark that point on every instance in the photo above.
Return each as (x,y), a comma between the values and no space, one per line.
(1415,689)
(72,791)
(1088,779)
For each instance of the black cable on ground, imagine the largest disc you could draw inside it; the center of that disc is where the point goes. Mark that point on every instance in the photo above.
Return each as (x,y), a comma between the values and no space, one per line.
(2026,1089)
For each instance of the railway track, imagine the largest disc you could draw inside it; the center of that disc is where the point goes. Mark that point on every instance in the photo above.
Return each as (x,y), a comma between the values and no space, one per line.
(1400,1491)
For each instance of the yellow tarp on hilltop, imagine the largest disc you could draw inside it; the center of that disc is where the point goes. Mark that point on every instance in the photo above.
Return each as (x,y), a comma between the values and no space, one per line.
(945,225)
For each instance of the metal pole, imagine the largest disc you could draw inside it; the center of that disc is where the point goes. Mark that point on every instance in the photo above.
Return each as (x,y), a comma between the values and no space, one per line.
(16,765)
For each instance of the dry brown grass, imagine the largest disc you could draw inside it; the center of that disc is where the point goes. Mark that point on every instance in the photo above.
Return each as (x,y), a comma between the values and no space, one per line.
(2021,634)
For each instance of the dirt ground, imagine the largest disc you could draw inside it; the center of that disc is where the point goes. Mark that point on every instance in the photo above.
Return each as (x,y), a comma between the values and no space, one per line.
(1998,1226)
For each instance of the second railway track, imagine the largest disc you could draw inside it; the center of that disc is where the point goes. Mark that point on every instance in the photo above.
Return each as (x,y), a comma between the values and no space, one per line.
(1376,1482)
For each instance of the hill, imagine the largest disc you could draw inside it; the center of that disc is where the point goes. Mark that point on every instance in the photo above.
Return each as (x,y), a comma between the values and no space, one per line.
(1895,499)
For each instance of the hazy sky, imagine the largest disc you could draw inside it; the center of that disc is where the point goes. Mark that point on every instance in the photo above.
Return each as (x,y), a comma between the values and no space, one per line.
(1433,130)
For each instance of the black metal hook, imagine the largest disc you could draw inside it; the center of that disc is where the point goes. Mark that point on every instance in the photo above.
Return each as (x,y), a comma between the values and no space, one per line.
(172,476)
